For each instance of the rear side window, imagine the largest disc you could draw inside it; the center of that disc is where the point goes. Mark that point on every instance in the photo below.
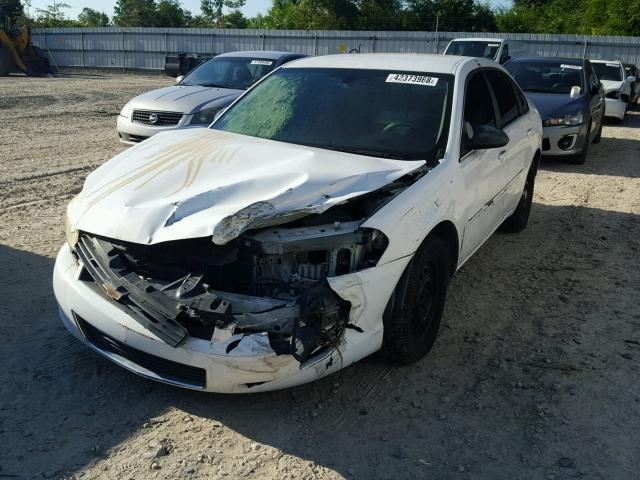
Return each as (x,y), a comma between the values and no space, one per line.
(505,95)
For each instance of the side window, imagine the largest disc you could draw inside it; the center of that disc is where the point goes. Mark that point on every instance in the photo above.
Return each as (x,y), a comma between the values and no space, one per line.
(505,54)
(505,96)
(478,104)
(594,83)
(523,104)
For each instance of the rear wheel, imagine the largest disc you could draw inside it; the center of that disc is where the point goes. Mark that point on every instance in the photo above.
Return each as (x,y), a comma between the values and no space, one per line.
(520,217)
(412,318)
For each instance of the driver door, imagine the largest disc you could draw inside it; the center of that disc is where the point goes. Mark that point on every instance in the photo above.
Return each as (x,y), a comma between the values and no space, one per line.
(481,169)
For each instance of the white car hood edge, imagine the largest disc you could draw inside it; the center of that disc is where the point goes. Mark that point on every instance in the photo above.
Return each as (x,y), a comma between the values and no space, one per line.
(197,183)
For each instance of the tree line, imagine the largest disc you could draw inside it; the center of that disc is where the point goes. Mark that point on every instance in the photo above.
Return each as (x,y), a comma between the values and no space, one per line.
(592,17)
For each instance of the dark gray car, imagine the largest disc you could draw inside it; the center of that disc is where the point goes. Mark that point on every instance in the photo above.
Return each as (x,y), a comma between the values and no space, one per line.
(570,99)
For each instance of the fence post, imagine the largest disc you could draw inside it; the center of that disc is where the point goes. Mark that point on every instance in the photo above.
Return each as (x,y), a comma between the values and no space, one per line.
(211,40)
(262,41)
(122,45)
(373,44)
(82,46)
(315,45)
(584,51)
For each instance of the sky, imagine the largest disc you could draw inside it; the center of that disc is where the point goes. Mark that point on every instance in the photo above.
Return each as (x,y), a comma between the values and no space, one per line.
(251,8)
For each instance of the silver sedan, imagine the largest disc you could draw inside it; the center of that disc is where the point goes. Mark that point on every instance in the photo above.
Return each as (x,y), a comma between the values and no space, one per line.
(197,97)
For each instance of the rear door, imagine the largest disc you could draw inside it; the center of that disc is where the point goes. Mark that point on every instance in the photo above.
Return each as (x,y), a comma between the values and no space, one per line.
(516,156)
(480,168)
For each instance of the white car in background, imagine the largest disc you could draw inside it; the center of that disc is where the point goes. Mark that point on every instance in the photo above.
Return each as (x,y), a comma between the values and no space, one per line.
(198,96)
(617,87)
(497,49)
(317,221)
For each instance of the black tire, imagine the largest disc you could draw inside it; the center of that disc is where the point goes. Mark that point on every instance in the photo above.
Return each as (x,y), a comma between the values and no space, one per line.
(581,158)
(520,217)
(412,318)
(598,137)
(6,62)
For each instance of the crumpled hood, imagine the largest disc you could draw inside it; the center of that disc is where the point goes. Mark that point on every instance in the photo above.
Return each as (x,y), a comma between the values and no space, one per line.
(183,99)
(611,86)
(200,182)
(551,105)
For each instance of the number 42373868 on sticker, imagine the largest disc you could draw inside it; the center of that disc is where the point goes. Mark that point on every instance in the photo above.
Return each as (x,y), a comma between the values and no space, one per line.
(412,79)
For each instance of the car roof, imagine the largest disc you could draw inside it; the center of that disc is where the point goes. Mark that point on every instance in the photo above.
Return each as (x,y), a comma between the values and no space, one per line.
(534,58)
(270,55)
(387,61)
(479,39)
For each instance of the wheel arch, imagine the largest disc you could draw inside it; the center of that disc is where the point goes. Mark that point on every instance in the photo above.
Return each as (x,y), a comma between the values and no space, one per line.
(448,233)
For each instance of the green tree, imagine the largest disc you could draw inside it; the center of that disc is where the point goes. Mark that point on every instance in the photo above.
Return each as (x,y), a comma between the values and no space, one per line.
(134,13)
(53,16)
(214,14)
(13,13)
(451,15)
(169,13)
(92,18)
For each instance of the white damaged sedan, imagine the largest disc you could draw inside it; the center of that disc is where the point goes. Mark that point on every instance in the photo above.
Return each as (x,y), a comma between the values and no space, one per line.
(317,221)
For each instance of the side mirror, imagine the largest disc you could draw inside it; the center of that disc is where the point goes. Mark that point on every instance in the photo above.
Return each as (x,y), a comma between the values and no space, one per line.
(484,137)
(575,92)
(179,78)
(631,79)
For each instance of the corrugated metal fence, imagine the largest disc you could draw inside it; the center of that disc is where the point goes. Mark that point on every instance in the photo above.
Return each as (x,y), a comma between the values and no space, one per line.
(145,48)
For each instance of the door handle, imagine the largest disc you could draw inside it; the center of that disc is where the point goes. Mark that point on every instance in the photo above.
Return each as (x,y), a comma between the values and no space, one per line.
(502,155)
(529,131)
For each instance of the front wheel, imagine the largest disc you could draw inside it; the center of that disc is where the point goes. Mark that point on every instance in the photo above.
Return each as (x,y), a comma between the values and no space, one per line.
(412,317)
(598,136)
(581,158)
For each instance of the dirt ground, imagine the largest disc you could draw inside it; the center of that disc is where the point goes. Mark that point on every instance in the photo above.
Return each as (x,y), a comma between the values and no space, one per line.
(535,374)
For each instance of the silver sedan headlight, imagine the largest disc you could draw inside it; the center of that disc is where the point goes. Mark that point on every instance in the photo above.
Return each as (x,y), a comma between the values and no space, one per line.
(126,111)
(204,117)
(573,119)
(71,234)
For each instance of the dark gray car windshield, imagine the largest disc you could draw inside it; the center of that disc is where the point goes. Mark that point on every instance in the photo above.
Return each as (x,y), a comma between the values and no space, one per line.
(369,112)
(473,49)
(608,71)
(229,72)
(547,76)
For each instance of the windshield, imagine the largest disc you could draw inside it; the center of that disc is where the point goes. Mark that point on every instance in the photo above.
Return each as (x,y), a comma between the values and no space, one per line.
(608,71)
(369,112)
(549,76)
(473,49)
(229,72)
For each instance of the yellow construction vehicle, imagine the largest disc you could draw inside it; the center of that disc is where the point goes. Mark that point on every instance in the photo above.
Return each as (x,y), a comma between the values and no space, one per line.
(16,51)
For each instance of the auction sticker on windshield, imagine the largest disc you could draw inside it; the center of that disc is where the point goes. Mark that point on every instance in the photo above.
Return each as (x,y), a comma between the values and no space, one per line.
(412,79)
(572,67)
(261,62)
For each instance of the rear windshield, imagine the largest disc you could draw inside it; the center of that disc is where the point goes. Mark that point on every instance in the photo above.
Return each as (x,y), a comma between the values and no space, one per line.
(549,76)
(388,114)
(473,49)
(229,72)
(608,71)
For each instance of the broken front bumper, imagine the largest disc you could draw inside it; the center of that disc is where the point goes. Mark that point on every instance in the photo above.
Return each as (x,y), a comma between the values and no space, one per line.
(200,364)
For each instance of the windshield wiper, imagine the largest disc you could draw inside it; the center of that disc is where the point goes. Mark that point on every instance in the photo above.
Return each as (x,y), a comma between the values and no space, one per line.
(220,85)
(363,151)
(537,90)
